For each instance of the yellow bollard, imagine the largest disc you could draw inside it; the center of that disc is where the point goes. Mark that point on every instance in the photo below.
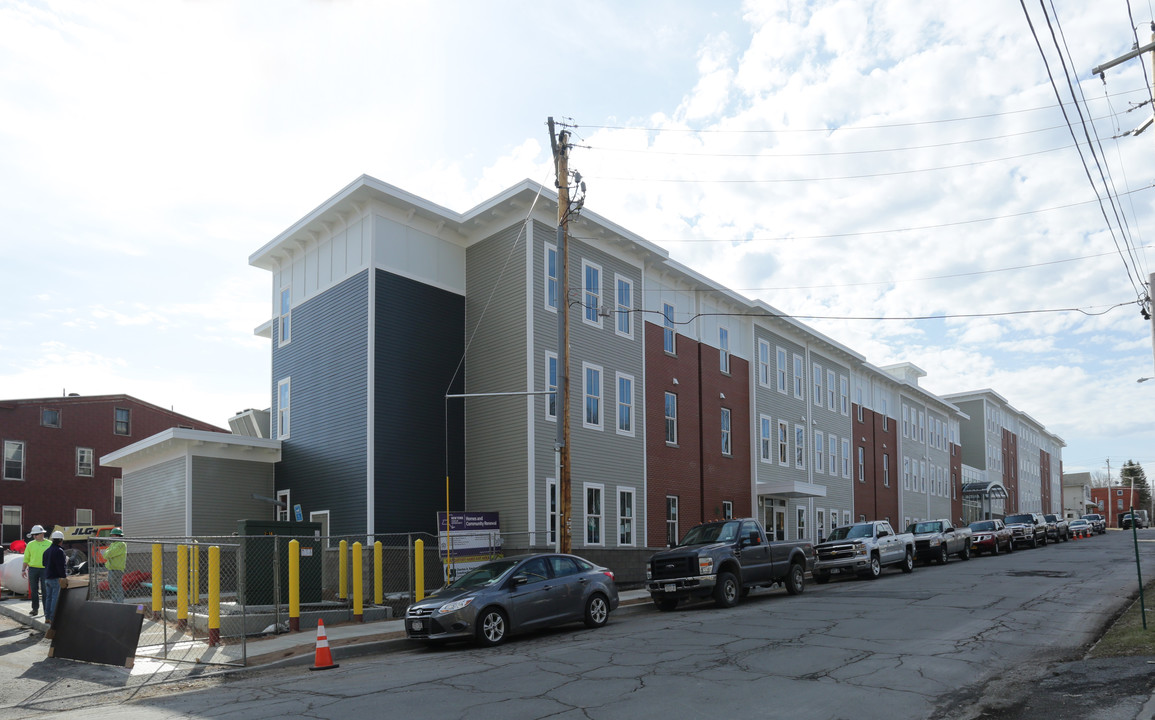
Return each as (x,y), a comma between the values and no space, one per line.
(157,580)
(195,567)
(358,585)
(294,585)
(342,570)
(419,569)
(378,576)
(214,595)
(181,586)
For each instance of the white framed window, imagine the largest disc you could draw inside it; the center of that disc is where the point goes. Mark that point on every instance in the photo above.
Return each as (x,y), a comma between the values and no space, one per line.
(799,447)
(905,473)
(13,460)
(763,363)
(818,451)
(832,451)
(283,403)
(551,384)
(861,464)
(83,516)
(727,510)
(845,517)
(817,378)
(831,391)
(284,327)
(922,475)
(724,350)
(591,293)
(283,509)
(844,395)
(668,332)
(799,378)
(625,404)
(764,439)
(552,286)
(592,392)
(671,419)
(921,427)
(118,495)
(820,524)
(322,517)
(905,421)
(885,470)
(624,291)
(11,524)
(726,448)
(551,509)
(626,516)
(783,371)
(783,443)
(801,516)
(672,520)
(846,458)
(885,417)
(122,421)
(84,462)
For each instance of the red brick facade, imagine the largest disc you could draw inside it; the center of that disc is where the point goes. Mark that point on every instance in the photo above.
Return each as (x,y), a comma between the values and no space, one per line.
(1010,452)
(51,489)
(1116,501)
(956,483)
(876,495)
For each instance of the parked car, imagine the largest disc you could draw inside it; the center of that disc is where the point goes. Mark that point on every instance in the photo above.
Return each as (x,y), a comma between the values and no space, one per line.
(863,548)
(937,540)
(1057,528)
(990,536)
(1027,529)
(724,560)
(1141,520)
(1080,528)
(512,595)
(1098,522)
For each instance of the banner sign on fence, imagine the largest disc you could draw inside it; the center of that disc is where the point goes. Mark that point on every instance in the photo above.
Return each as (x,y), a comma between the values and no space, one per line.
(473,538)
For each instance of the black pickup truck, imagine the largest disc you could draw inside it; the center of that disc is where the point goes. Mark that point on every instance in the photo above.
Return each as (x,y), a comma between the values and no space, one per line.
(723,560)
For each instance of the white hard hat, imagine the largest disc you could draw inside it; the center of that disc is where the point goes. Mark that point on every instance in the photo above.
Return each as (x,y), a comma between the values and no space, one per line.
(36,530)
(57,535)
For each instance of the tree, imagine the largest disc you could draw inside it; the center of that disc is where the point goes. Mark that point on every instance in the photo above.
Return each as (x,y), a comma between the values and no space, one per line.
(1133,472)
(1100,479)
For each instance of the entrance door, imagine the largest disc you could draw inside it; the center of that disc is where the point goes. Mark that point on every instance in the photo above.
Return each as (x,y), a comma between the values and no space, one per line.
(779,524)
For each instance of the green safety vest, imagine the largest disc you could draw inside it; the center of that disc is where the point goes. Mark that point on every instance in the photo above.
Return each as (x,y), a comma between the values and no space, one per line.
(114,556)
(34,553)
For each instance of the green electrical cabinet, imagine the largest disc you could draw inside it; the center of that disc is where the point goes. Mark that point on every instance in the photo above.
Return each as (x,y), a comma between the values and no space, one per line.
(264,560)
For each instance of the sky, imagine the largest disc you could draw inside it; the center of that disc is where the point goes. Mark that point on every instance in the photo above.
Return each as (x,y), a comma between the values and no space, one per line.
(899,175)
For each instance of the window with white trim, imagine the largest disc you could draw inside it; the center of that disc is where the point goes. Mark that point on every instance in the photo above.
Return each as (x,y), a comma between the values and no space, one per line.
(625,404)
(845,517)
(832,451)
(801,510)
(13,460)
(283,403)
(671,419)
(321,517)
(624,290)
(844,395)
(922,475)
(783,443)
(591,293)
(831,391)
(122,421)
(551,276)
(727,510)
(818,451)
(764,439)
(11,524)
(592,391)
(726,431)
(668,332)
(593,514)
(799,447)
(724,350)
(118,495)
(284,326)
(817,378)
(281,510)
(861,464)
(625,516)
(799,378)
(905,473)
(905,421)
(83,516)
(846,458)
(783,371)
(672,520)
(84,462)
(921,427)
(551,384)
(763,363)
(885,470)
(551,509)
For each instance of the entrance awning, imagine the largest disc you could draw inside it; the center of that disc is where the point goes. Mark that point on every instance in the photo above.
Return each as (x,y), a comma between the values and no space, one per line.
(790,489)
(993,490)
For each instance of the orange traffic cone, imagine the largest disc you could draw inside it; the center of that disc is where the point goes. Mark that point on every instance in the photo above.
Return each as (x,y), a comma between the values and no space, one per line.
(324,658)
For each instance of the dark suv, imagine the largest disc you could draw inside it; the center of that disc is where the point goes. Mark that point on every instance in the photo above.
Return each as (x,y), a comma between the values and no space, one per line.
(1027,529)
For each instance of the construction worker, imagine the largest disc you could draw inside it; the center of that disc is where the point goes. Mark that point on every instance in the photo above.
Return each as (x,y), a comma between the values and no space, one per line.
(54,575)
(114,556)
(33,567)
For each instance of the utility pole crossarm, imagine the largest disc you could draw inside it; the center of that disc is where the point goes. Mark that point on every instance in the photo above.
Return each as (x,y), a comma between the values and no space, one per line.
(1099,70)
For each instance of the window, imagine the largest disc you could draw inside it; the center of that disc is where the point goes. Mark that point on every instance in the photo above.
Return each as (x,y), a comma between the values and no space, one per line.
(861,464)
(818,452)
(817,378)
(905,421)
(799,447)
(551,276)
(625,404)
(592,390)
(84,462)
(593,514)
(122,424)
(885,417)
(906,473)
(921,426)
(763,363)
(671,520)
(799,378)
(844,395)
(764,440)
(551,382)
(832,450)
(625,516)
(820,524)
(668,333)
(831,391)
(671,419)
(922,475)
(846,457)
(727,510)
(50,417)
(118,495)
(726,431)
(783,439)
(83,516)
(283,324)
(591,293)
(282,508)
(885,470)
(322,517)
(782,371)
(724,350)
(801,522)
(10,524)
(624,324)
(551,509)
(283,409)
(845,517)
(13,460)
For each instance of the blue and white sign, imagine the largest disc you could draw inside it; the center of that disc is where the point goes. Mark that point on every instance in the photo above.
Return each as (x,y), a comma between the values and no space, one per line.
(297,512)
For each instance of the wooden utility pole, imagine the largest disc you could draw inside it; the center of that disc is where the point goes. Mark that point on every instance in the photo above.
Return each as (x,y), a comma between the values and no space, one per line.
(560,144)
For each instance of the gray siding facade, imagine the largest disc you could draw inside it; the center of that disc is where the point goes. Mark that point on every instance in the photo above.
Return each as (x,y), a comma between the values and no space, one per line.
(222,492)
(155,500)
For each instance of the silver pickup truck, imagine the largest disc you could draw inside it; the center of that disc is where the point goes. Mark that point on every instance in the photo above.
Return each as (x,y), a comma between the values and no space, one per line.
(937,540)
(863,548)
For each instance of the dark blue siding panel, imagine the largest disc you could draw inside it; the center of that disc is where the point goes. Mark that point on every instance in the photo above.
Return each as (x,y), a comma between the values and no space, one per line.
(324,462)
(420,341)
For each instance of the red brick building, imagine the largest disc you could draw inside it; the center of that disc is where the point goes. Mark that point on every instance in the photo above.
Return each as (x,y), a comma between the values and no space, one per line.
(1115,501)
(51,472)
(876,479)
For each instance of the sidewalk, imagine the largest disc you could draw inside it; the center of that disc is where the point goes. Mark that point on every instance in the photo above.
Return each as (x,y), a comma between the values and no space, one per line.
(346,640)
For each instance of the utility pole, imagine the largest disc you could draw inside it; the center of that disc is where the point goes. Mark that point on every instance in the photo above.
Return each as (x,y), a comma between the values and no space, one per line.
(560,144)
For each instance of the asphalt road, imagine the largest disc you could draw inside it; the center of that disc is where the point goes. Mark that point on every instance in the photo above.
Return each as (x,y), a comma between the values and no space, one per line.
(989,638)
